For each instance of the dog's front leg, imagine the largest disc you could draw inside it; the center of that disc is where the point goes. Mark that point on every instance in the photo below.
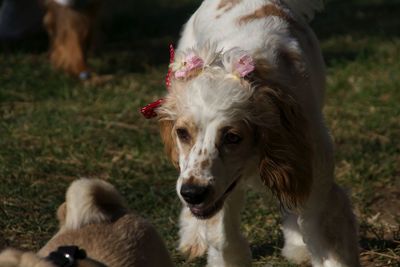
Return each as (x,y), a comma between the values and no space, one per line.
(227,246)
(220,235)
(192,234)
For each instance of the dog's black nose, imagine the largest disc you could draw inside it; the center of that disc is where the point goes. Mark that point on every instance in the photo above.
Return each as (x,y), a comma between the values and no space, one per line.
(194,194)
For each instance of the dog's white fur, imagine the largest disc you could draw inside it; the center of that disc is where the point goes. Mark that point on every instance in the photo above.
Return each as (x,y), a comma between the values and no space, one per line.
(278,113)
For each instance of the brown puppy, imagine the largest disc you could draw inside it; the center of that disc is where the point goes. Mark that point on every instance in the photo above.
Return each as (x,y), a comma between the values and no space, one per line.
(70,30)
(95,219)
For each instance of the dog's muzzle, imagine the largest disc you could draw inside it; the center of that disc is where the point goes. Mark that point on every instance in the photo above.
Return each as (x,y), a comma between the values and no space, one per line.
(194,194)
(198,200)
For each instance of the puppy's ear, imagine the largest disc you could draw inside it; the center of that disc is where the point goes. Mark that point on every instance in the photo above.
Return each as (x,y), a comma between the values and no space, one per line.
(286,152)
(62,214)
(166,127)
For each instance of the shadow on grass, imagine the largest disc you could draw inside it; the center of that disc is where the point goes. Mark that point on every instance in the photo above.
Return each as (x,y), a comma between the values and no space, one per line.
(266,249)
(378,244)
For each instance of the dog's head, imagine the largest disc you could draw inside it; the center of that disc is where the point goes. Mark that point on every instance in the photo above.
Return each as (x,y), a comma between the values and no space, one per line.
(219,129)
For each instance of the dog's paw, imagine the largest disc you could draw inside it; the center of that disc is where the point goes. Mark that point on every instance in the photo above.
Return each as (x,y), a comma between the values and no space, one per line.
(193,250)
(296,254)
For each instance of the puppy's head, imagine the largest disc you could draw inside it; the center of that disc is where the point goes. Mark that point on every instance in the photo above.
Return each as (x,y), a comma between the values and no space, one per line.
(219,129)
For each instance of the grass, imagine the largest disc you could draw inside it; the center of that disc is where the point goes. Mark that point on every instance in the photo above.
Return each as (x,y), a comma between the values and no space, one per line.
(54,129)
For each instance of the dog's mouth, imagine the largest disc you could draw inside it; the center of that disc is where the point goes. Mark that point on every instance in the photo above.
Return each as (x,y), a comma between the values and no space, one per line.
(203,213)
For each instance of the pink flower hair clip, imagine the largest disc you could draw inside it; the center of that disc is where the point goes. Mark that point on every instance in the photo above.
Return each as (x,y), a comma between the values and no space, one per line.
(244,66)
(238,63)
(188,66)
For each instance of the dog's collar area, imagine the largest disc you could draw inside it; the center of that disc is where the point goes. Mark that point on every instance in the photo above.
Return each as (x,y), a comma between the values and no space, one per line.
(66,256)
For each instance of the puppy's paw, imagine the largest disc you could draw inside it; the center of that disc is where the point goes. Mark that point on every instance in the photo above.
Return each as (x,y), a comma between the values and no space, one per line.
(192,250)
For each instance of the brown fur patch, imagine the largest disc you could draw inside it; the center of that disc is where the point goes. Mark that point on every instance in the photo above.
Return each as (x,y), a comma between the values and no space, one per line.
(265,11)
(289,63)
(286,164)
(205,163)
(219,137)
(110,204)
(169,142)
(192,180)
(227,4)
(192,129)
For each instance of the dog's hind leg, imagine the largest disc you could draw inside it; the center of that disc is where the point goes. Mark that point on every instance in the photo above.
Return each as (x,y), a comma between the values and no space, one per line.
(330,232)
(295,250)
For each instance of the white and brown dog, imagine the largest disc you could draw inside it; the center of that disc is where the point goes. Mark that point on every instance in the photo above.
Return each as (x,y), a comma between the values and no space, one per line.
(95,219)
(245,109)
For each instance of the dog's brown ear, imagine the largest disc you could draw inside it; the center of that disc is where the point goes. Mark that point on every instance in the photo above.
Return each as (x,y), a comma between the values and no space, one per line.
(166,127)
(286,156)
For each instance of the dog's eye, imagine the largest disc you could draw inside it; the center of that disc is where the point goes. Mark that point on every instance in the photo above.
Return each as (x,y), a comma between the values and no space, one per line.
(232,138)
(183,134)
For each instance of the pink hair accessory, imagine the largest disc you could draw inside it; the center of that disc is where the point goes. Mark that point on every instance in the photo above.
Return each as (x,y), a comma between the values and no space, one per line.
(244,66)
(237,63)
(190,66)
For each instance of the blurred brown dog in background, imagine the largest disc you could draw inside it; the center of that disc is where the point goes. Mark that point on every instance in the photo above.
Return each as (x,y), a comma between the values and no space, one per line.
(71,25)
